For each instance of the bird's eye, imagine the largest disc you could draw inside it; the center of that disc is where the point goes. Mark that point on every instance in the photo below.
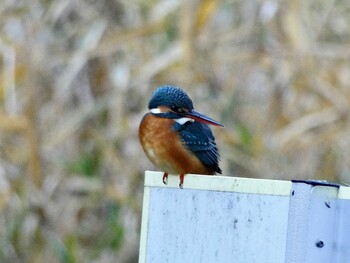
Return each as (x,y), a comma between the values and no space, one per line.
(175,108)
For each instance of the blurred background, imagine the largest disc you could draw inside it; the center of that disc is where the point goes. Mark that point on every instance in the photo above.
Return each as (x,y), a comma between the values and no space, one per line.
(75,80)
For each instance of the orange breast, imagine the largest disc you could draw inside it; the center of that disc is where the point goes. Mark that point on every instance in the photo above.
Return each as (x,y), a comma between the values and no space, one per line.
(163,147)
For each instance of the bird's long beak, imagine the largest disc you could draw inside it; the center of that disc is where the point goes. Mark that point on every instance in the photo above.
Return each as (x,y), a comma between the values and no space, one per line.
(202,118)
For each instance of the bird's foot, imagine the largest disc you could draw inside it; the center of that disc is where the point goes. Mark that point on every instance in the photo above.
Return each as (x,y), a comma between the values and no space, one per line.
(182,176)
(165,178)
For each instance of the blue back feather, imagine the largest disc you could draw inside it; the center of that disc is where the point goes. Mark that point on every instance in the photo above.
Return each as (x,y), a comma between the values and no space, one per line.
(199,139)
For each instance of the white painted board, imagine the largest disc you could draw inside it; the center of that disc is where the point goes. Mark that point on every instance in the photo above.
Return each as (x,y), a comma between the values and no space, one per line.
(214,225)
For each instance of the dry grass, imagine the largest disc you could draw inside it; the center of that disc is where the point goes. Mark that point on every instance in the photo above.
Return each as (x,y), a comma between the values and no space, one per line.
(74,84)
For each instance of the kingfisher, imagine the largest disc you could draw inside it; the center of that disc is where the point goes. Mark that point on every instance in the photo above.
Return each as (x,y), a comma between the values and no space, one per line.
(176,138)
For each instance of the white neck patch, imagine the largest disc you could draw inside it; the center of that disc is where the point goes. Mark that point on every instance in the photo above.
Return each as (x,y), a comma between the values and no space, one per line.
(183,120)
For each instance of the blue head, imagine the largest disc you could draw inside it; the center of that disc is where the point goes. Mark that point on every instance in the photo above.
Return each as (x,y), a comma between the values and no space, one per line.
(173,103)
(171,97)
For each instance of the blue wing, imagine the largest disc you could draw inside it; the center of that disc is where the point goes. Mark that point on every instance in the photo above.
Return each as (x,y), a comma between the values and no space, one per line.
(199,139)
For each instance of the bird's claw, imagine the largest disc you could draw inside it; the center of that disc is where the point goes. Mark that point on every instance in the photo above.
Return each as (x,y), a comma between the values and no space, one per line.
(182,176)
(165,178)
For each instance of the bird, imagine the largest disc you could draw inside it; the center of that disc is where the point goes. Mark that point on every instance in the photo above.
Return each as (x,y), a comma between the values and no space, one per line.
(176,138)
